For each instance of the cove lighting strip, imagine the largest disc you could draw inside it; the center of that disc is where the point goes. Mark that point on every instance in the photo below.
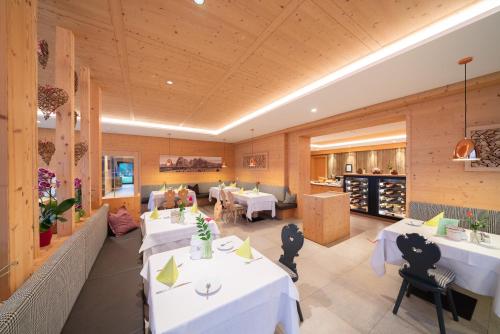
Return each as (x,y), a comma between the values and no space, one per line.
(462,18)
(361,141)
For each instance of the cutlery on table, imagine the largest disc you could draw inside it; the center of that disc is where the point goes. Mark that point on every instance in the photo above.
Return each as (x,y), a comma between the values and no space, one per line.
(208,288)
(253,260)
(174,287)
(225,243)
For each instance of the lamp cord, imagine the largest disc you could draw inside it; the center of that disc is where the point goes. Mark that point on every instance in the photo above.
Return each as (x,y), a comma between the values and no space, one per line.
(465,97)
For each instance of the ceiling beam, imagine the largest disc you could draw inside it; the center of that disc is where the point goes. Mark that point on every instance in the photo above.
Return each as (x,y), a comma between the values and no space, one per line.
(275,24)
(116,13)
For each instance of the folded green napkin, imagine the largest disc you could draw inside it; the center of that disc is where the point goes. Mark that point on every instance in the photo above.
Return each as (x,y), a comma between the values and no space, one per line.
(444,223)
(194,208)
(168,275)
(154,214)
(233,185)
(245,250)
(163,188)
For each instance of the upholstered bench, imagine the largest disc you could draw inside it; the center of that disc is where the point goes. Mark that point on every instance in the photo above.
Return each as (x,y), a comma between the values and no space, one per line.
(286,210)
(111,299)
(42,304)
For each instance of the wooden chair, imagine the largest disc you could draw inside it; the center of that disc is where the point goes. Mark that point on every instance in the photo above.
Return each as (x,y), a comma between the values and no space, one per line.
(233,208)
(169,199)
(421,272)
(183,196)
(292,241)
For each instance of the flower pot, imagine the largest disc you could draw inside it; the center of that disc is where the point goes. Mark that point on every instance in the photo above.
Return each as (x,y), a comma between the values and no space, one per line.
(77,217)
(53,228)
(45,238)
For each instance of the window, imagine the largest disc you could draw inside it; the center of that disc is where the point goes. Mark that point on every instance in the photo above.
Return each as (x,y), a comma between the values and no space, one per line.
(118,176)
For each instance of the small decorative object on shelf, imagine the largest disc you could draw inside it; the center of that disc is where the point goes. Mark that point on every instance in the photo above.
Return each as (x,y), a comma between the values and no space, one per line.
(80,149)
(79,212)
(46,150)
(359,171)
(376,170)
(50,98)
(394,172)
(50,210)
(475,224)
(43,53)
(205,235)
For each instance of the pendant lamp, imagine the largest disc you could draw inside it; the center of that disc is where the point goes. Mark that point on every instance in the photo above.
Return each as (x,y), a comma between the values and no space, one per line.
(252,163)
(465,149)
(224,158)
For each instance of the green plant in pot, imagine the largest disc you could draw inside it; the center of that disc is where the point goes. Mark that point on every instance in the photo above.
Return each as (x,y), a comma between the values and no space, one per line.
(79,211)
(205,235)
(50,210)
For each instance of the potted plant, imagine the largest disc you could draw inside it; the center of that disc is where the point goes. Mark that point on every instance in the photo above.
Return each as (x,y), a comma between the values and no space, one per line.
(205,235)
(79,212)
(50,209)
(475,224)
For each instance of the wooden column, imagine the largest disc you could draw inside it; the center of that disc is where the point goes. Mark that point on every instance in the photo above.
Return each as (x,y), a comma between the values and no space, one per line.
(65,126)
(96,145)
(18,132)
(85,125)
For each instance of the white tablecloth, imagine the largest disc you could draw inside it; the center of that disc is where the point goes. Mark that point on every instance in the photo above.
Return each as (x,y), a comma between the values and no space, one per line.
(161,234)
(157,198)
(213,192)
(253,298)
(477,267)
(256,202)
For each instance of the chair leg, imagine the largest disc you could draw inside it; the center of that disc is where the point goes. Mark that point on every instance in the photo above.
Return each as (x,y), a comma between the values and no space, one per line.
(402,290)
(439,310)
(449,293)
(408,291)
(300,312)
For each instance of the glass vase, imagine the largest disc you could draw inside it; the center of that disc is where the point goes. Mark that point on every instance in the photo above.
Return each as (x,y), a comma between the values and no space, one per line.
(181,217)
(475,238)
(206,250)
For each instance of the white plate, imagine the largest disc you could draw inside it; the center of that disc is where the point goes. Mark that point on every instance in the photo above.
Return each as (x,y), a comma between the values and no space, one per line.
(201,286)
(225,246)
(415,223)
(489,245)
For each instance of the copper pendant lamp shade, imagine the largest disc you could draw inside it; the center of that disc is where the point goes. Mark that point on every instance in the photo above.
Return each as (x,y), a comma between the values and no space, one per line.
(466,148)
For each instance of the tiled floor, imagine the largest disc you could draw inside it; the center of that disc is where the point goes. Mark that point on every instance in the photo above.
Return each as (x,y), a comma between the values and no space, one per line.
(340,293)
(125,190)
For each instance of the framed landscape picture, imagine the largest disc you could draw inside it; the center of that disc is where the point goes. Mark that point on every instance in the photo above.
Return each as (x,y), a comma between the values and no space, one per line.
(177,163)
(487,140)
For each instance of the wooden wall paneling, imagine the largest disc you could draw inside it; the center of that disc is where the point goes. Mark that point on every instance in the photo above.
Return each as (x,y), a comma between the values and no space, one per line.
(65,126)
(84,165)
(319,167)
(18,150)
(133,204)
(95,145)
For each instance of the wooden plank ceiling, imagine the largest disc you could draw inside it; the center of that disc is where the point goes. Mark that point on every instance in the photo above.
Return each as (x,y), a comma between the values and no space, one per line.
(226,58)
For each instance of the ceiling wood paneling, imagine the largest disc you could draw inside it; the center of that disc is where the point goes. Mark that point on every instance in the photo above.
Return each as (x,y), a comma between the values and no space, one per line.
(226,58)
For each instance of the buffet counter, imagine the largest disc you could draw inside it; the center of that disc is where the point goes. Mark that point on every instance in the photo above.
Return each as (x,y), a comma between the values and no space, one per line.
(321,187)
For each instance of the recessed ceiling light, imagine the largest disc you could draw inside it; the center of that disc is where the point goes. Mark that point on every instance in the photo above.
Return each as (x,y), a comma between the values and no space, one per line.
(170,82)
(314,109)
(199,2)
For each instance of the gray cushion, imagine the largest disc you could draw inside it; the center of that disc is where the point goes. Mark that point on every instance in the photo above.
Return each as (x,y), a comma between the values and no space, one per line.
(292,275)
(43,302)
(285,206)
(111,299)
(290,198)
(425,211)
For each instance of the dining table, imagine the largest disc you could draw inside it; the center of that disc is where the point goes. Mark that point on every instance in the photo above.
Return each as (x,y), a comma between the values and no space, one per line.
(250,296)
(164,233)
(214,192)
(157,198)
(255,201)
(476,266)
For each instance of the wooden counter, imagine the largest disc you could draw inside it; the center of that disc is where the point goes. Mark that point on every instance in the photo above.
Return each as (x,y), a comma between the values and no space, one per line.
(326,217)
(320,188)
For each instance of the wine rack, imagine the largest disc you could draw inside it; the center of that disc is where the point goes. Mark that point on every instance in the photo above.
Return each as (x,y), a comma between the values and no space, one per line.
(357,187)
(392,197)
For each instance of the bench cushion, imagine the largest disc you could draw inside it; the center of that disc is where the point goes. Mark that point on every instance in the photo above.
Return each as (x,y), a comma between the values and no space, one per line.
(285,206)
(111,299)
